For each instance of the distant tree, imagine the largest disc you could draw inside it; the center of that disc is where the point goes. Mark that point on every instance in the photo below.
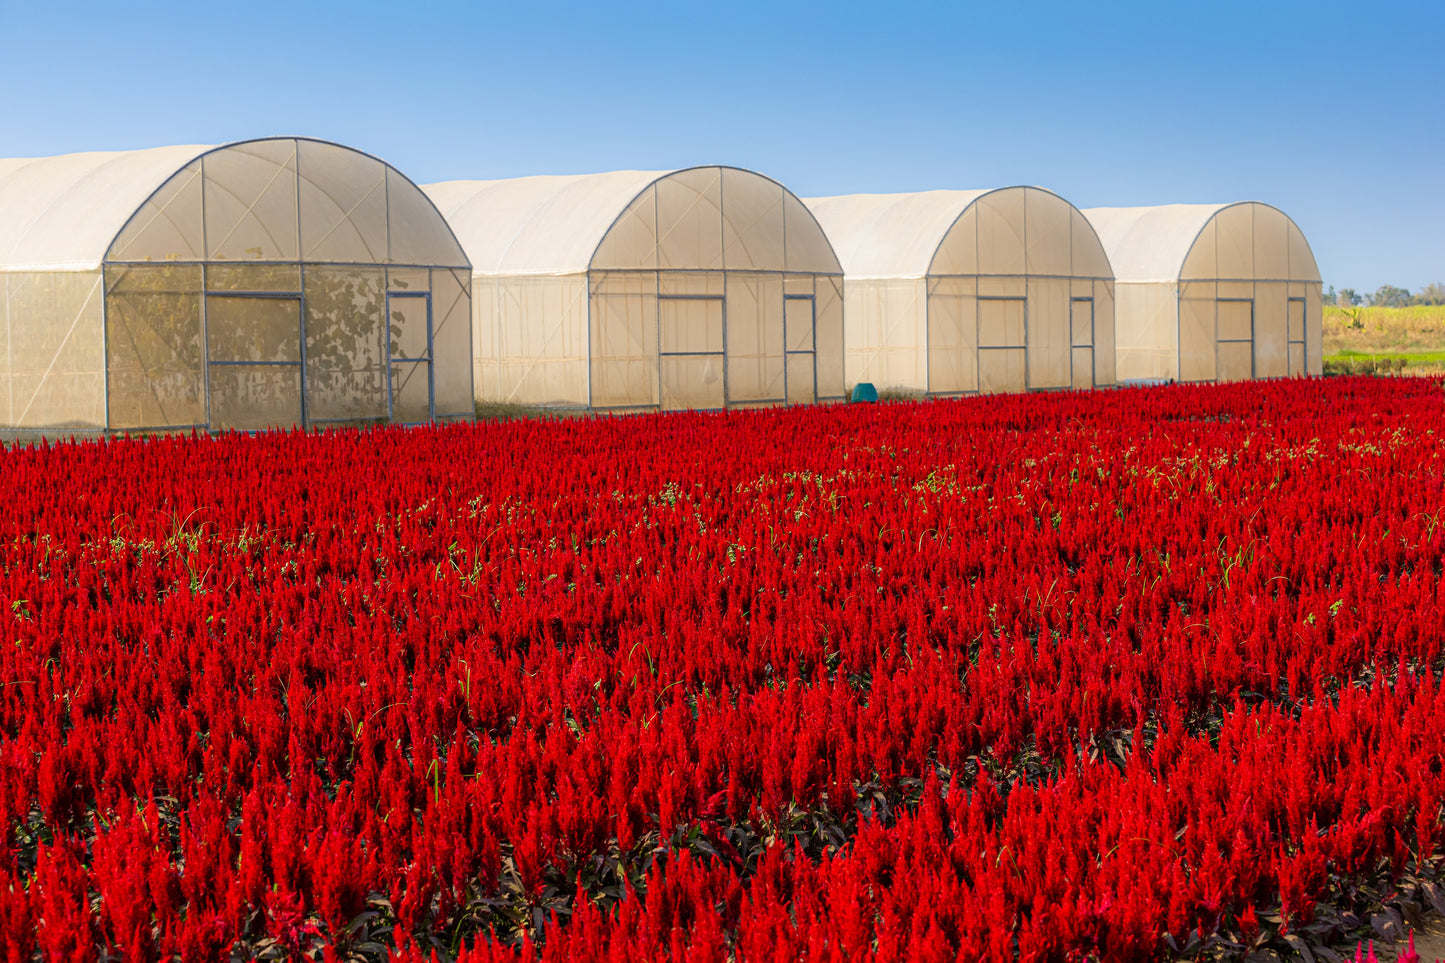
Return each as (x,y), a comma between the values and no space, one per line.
(1329,297)
(1347,298)
(1430,294)
(1389,296)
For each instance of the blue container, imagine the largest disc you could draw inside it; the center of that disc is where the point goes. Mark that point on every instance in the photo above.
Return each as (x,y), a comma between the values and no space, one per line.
(864,391)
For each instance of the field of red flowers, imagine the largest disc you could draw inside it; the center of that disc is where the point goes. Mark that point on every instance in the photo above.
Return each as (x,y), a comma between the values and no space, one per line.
(1119,675)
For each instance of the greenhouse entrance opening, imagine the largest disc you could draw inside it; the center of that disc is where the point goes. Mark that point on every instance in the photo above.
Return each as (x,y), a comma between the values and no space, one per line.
(800,376)
(254,368)
(412,395)
(1081,324)
(1296,337)
(1235,359)
(692,351)
(1002,345)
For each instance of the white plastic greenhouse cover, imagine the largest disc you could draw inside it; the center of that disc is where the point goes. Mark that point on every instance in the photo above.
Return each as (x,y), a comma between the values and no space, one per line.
(889,235)
(1149,245)
(703,287)
(62,213)
(536,225)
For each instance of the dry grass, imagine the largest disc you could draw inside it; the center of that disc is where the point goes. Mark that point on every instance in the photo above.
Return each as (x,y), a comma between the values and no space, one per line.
(1413,330)
(1414,334)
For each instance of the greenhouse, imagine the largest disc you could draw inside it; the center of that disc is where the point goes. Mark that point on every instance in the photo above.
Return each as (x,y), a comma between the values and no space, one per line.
(270,283)
(957,292)
(1212,292)
(710,287)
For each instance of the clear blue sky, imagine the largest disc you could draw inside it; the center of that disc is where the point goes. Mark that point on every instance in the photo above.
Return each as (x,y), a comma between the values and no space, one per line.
(1333,111)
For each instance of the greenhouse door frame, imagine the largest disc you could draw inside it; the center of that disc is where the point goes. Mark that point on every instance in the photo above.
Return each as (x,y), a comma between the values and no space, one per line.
(983,350)
(299,299)
(1303,339)
(392,362)
(812,352)
(722,356)
(1218,341)
(1075,345)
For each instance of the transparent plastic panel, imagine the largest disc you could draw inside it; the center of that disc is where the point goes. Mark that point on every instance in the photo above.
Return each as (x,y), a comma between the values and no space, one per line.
(1196,331)
(808,249)
(996,287)
(689,219)
(1002,370)
(1314,340)
(1297,360)
(692,381)
(169,226)
(712,284)
(798,324)
(1271,329)
(1234,320)
(1001,232)
(899,329)
(5,348)
(251,201)
(244,329)
(155,355)
(542,340)
(452,341)
(1104,326)
(828,338)
(418,234)
(755,337)
(409,280)
(1202,261)
(958,251)
(57,361)
(345,343)
(1235,226)
(1302,264)
(411,392)
(1146,331)
(692,325)
(1271,243)
(1083,367)
(1048,232)
(631,243)
(1236,290)
(254,278)
(54,375)
(1089,257)
(5,361)
(486,350)
(1081,322)
(752,223)
(408,327)
(1236,361)
(1048,333)
(798,284)
(801,390)
(343,205)
(255,397)
(1001,322)
(623,322)
(952,333)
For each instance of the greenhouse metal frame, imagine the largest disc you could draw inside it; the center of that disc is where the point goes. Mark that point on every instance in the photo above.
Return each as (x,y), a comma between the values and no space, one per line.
(961,292)
(699,288)
(1213,292)
(276,282)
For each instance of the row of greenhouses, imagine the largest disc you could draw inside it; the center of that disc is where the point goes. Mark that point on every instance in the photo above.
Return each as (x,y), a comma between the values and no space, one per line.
(293,282)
